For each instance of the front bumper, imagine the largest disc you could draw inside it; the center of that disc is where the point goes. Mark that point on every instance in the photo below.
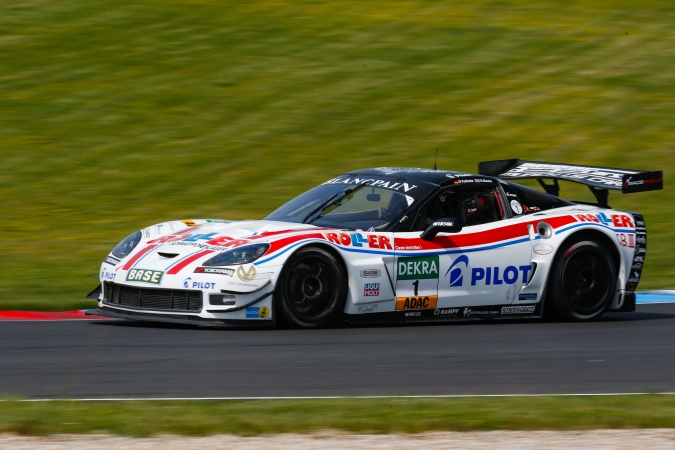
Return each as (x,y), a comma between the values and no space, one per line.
(194,320)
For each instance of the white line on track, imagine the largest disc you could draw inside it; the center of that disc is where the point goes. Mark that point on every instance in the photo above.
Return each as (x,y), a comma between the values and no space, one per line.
(336,397)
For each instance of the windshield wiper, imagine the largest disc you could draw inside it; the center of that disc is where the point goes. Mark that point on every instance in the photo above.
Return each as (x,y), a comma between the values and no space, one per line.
(334,199)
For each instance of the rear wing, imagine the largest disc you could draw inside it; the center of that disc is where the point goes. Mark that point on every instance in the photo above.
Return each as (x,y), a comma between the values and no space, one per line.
(598,179)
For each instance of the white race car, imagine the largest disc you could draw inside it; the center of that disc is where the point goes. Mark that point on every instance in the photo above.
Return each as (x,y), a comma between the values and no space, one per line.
(393,245)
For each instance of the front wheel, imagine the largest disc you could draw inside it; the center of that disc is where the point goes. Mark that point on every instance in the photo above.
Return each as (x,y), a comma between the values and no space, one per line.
(311,291)
(582,281)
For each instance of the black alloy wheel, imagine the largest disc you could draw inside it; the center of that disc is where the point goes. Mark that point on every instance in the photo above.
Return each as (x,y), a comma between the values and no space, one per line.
(582,281)
(312,289)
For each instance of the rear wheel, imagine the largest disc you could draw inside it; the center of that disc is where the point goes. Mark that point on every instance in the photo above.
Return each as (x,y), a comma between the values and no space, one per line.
(312,291)
(582,282)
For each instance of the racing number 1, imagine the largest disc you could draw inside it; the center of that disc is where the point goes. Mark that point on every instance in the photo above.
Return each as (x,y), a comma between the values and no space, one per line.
(416,283)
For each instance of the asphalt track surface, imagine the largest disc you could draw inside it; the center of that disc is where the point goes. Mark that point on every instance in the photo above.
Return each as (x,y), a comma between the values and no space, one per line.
(116,359)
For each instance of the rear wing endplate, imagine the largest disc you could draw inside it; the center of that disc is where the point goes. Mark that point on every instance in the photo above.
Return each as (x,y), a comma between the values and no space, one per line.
(599,179)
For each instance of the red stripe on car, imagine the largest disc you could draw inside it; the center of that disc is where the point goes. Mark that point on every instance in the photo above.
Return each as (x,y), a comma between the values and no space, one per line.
(178,267)
(138,256)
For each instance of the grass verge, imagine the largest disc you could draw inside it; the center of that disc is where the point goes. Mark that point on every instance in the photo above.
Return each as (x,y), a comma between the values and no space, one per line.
(373,416)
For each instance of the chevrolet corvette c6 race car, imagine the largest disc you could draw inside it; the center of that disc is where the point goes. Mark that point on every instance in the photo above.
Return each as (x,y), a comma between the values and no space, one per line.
(394,245)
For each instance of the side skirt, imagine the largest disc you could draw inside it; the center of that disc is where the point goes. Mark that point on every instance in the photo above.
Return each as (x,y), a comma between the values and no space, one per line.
(490,312)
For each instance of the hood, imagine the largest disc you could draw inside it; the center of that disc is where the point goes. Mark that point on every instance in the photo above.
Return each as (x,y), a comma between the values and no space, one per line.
(219,235)
(181,246)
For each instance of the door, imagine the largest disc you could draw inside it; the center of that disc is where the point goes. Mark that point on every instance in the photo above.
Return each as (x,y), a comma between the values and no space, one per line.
(485,264)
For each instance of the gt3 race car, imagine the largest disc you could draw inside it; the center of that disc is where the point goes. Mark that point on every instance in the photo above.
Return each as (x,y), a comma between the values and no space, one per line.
(394,244)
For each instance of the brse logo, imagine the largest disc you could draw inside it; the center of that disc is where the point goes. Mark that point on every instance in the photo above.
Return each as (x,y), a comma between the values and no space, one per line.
(144,275)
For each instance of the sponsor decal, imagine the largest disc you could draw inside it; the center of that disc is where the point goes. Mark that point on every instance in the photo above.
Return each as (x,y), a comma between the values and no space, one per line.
(413,314)
(189,223)
(446,312)
(516,207)
(518,309)
(189,283)
(371,289)
(201,239)
(393,185)
(246,274)
(631,185)
(417,278)
(254,312)
(359,240)
(108,276)
(472,180)
(532,296)
(368,308)
(497,275)
(485,276)
(611,177)
(111,260)
(215,270)
(370,273)
(420,267)
(542,249)
(616,220)
(468,312)
(457,270)
(626,240)
(145,275)
(405,303)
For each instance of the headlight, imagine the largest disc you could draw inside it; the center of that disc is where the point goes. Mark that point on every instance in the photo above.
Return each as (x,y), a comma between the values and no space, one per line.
(236,256)
(125,247)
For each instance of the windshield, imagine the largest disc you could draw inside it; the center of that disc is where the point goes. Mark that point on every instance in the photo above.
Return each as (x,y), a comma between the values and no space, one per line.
(346,205)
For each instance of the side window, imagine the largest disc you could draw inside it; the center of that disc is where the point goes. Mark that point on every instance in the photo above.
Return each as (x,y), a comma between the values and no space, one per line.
(534,200)
(472,206)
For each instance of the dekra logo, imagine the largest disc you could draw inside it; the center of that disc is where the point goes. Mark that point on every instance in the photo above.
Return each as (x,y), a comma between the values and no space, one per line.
(420,267)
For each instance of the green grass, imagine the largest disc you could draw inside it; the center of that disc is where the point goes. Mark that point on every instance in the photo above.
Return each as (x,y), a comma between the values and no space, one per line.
(115,114)
(404,415)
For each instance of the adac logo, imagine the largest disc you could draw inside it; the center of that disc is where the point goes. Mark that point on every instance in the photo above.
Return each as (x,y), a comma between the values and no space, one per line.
(246,274)
(456,270)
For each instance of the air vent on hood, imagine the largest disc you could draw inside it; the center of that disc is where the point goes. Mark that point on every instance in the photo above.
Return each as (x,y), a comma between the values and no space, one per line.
(167,255)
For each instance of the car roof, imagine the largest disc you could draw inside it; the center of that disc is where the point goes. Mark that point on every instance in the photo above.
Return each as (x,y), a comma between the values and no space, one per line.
(438,177)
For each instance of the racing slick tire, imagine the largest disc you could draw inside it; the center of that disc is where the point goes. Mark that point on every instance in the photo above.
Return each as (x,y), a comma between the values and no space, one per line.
(582,280)
(312,289)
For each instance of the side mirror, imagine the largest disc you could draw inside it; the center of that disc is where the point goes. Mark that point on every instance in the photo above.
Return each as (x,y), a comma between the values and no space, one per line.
(444,225)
